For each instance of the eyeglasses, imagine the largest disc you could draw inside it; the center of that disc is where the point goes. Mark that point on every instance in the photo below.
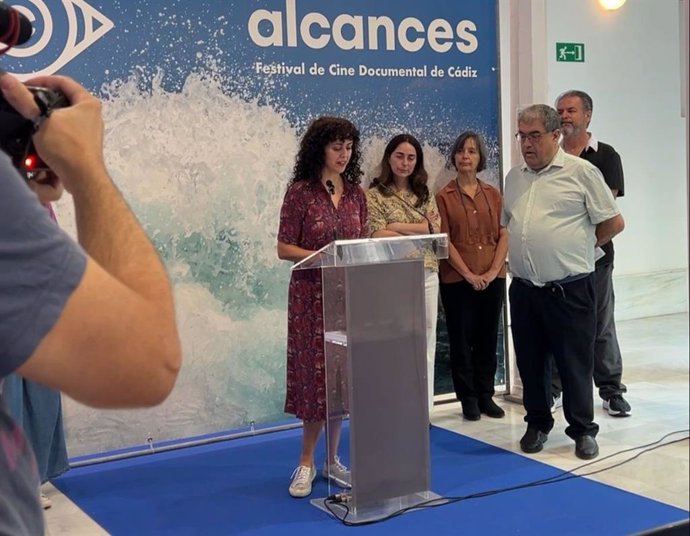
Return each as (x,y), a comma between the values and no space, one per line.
(534,137)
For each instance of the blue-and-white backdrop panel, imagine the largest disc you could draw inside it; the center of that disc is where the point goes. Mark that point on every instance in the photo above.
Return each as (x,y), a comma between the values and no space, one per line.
(205,102)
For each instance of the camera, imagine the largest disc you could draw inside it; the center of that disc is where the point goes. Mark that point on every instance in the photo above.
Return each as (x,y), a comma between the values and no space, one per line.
(16,130)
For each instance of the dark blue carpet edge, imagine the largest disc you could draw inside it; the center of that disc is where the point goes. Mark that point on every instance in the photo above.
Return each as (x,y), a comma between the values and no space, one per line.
(240,487)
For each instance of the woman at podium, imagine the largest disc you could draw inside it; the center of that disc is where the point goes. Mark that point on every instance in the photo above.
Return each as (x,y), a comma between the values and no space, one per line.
(473,276)
(323,203)
(400,204)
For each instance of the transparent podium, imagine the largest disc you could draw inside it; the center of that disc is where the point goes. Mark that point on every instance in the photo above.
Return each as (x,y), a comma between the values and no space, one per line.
(375,367)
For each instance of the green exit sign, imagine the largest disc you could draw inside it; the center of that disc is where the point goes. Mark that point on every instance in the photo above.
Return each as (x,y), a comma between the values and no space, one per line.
(570,52)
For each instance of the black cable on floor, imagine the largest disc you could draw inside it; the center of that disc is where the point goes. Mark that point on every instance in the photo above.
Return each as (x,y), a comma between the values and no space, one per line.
(341,499)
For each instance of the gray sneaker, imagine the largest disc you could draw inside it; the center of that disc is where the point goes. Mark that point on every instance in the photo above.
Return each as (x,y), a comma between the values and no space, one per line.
(617,406)
(302,477)
(338,473)
(556,402)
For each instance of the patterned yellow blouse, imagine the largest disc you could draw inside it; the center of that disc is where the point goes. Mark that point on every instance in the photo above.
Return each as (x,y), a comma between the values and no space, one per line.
(385,209)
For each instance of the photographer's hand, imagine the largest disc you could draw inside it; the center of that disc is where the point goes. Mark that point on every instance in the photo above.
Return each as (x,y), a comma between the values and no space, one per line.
(115,343)
(70,141)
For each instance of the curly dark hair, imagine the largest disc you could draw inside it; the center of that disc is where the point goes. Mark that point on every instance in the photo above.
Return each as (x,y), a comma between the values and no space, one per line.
(311,156)
(460,144)
(418,178)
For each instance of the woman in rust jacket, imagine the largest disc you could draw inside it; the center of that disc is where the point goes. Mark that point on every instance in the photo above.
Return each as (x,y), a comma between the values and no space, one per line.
(473,277)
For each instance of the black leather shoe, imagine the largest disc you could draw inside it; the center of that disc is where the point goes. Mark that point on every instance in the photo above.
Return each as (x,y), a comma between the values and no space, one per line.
(470,409)
(533,440)
(488,407)
(586,447)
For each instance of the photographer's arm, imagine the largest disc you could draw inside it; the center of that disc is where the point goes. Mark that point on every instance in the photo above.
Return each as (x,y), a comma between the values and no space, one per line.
(115,343)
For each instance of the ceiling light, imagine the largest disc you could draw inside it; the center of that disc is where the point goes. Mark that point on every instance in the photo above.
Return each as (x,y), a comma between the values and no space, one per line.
(611,4)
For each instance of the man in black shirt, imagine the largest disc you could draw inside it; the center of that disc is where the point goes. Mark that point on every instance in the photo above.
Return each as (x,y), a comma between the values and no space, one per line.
(575,108)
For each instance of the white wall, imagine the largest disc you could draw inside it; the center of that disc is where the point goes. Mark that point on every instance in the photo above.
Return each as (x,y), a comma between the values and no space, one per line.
(631,70)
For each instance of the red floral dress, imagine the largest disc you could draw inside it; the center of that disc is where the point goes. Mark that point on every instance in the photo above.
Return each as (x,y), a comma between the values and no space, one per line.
(309,219)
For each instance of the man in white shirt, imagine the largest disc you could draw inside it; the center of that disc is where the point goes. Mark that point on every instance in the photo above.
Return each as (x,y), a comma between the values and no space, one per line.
(557,209)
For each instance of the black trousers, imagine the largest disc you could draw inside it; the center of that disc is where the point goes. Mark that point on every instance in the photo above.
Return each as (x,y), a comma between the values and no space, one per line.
(608,363)
(472,321)
(558,320)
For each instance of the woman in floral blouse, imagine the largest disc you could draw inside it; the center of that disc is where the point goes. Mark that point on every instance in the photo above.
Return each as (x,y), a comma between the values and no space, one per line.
(400,204)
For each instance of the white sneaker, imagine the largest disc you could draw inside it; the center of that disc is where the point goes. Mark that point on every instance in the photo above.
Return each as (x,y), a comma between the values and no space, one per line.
(556,402)
(45,501)
(338,473)
(302,477)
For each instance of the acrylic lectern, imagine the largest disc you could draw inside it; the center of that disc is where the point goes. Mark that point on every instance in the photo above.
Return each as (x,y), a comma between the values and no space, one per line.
(375,367)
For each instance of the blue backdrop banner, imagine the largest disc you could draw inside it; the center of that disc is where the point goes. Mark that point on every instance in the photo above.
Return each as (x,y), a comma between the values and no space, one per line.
(205,102)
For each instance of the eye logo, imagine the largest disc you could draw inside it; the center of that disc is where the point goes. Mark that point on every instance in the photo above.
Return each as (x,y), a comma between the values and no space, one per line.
(94,26)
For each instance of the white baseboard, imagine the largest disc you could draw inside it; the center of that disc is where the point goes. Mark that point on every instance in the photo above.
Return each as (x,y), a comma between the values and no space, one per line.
(650,294)
(637,296)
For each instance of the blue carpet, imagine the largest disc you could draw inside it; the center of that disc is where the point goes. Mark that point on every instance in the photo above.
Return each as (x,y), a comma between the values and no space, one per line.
(240,487)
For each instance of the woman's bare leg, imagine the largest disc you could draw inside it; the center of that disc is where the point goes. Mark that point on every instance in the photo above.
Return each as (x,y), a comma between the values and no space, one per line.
(310,436)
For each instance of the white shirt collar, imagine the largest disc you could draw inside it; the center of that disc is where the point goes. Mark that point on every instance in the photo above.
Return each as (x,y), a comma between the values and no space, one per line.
(558,160)
(592,143)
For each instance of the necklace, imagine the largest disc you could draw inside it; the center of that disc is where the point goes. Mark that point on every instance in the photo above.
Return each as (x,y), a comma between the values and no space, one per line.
(470,190)
(579,148)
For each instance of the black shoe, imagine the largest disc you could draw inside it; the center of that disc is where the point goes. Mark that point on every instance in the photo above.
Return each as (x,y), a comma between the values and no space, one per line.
(470,409)
(617,406)
(586,447)
(533,440)
(490,408)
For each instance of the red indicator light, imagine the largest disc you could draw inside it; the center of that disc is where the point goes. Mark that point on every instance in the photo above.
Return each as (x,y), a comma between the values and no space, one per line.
(30,162)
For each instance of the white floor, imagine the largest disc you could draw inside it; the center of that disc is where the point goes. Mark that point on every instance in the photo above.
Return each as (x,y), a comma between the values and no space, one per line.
(656,371)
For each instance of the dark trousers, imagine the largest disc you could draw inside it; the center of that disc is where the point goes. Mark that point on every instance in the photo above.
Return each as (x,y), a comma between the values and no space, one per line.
(608,363)
(558,321)
(472,321)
